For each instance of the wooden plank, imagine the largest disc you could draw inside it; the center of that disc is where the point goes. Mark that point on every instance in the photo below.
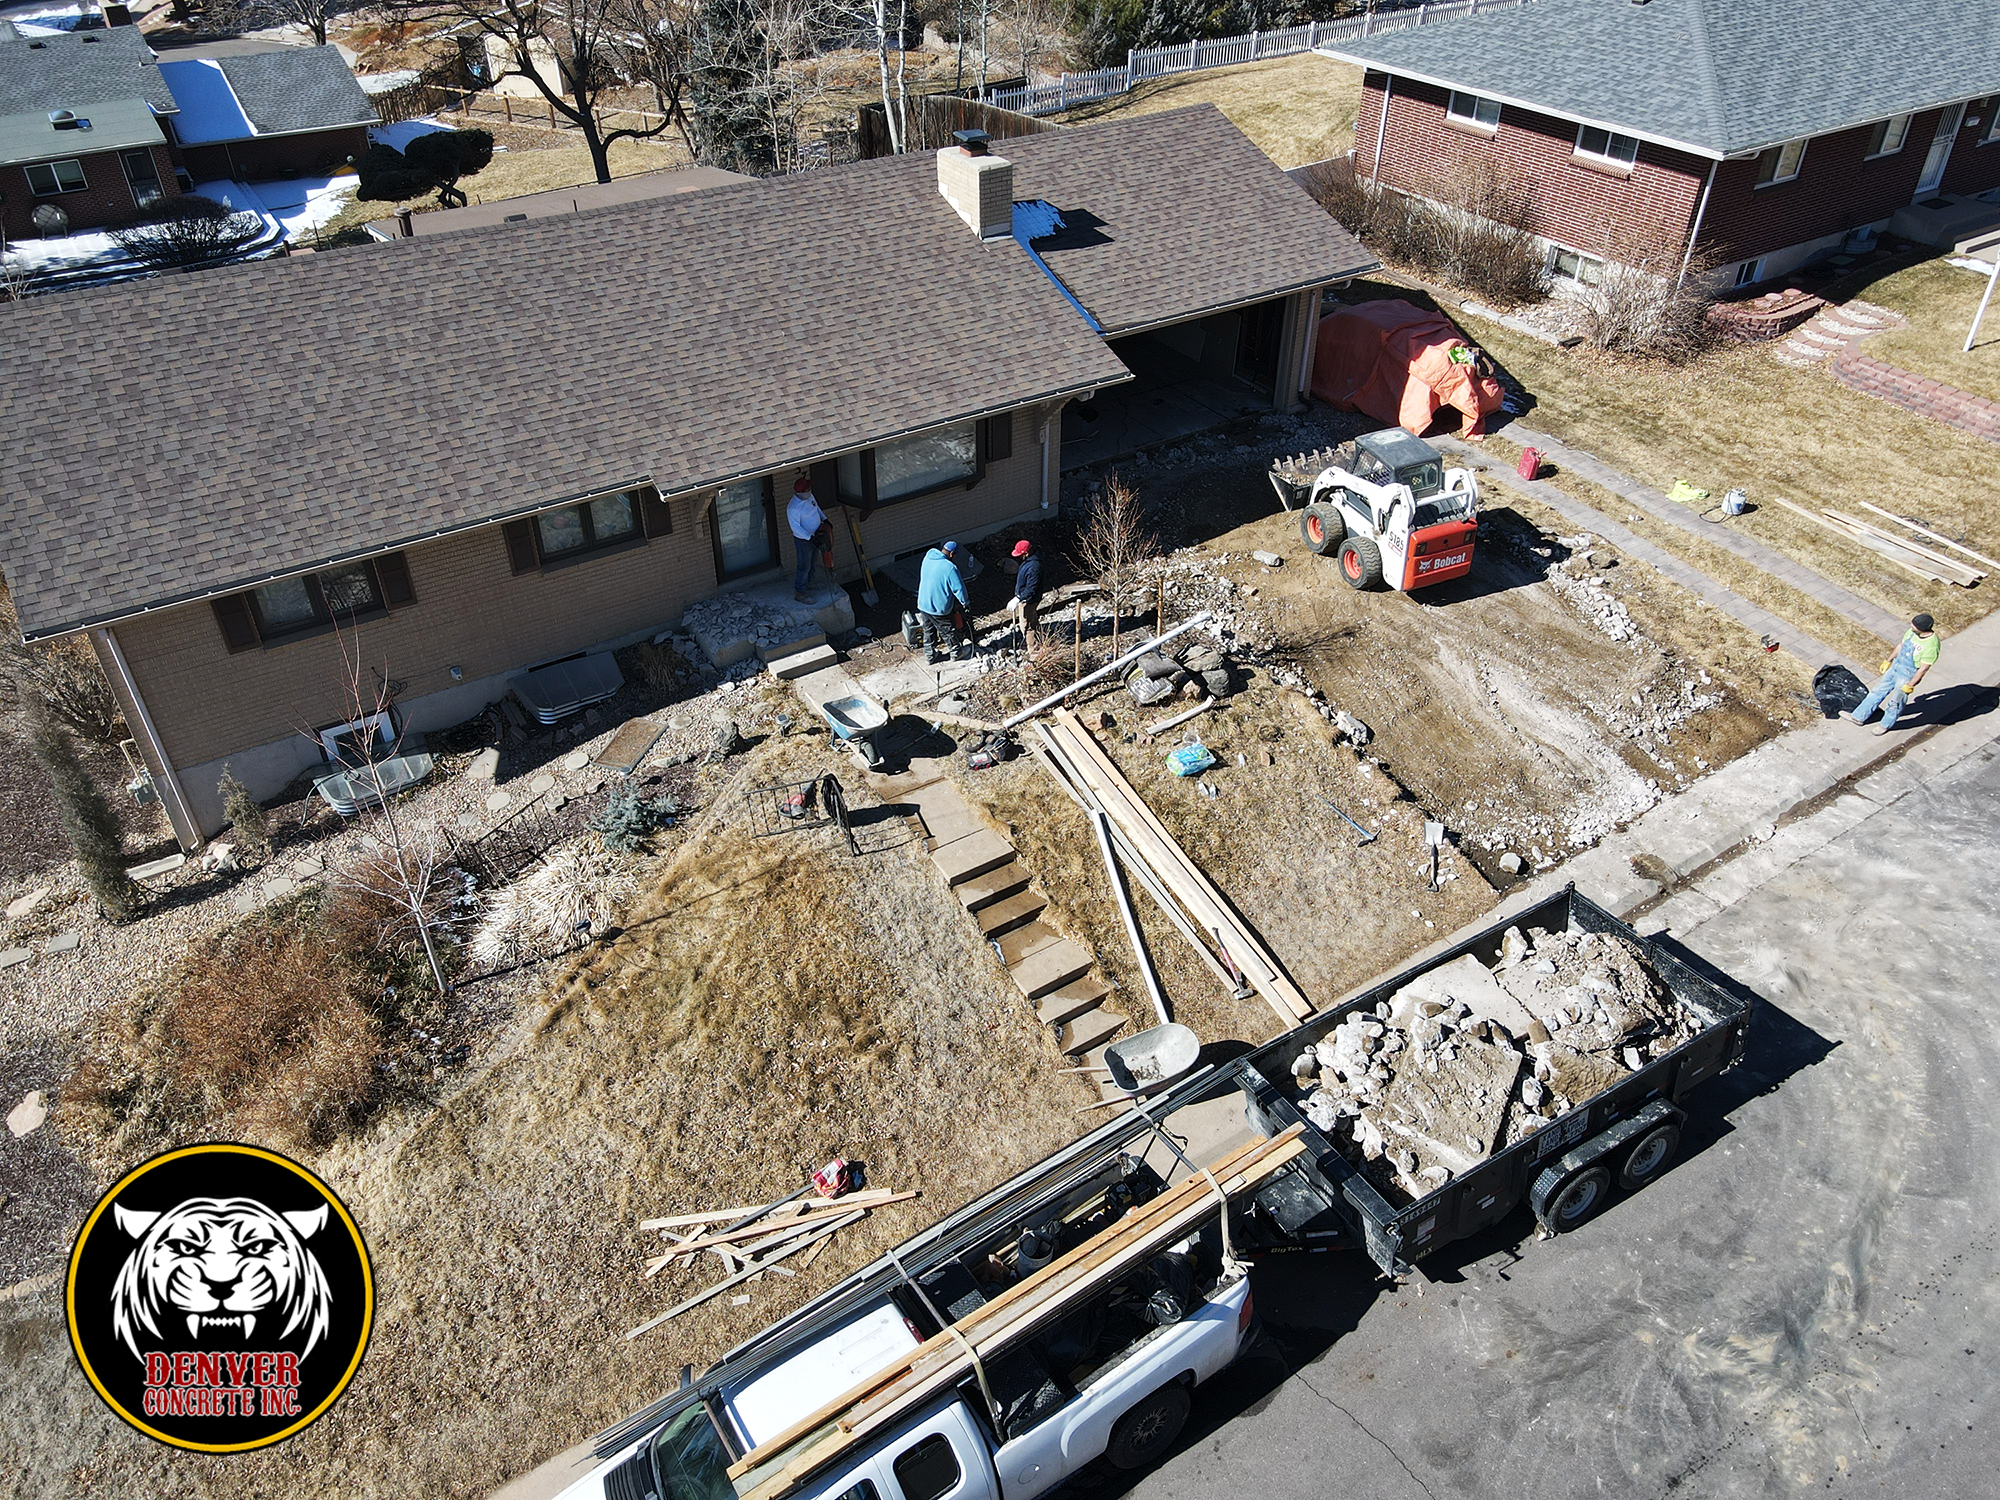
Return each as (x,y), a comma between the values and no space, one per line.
(866,1197)
(775,1445)
(1950,564)
(804,1216)
(1933,535)
(941,1361)
(1183,876)
(1839,530)
(820,1232)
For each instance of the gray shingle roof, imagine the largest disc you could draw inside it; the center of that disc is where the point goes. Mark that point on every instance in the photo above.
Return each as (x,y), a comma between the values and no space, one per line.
(1720,76)
(173,437)
(1175,213)
(114,125)
(301,88)
(78,68)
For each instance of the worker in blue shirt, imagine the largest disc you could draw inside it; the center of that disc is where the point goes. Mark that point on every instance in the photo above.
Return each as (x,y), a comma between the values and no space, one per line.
(1027,591)
(940,591)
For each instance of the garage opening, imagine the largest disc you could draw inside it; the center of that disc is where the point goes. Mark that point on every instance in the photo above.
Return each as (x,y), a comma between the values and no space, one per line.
(1186,378)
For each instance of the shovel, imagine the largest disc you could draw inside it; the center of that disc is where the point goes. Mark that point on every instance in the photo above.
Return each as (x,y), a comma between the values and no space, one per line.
(868,595)
(1366,836)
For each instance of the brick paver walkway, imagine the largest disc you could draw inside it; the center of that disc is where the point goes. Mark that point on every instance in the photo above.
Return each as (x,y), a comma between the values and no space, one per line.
(1927,398)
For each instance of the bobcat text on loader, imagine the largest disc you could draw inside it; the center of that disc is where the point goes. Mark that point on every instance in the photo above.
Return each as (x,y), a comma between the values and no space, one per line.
(1387,505)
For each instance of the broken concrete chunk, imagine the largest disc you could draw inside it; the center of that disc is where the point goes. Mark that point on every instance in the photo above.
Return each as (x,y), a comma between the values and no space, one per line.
(1268,559)
(1356,731)
(20,906)
(1510,863)
(29,1114)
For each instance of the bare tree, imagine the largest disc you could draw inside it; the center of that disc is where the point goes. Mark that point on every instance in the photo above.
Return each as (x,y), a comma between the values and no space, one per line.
(1039,28)
(248,15)
(591,46)
(789,81)
(1114,544)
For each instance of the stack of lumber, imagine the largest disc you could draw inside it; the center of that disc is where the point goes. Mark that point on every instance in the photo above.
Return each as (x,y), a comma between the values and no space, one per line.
(787,1461)
(1188,897)
(1898,548)
(750,1241)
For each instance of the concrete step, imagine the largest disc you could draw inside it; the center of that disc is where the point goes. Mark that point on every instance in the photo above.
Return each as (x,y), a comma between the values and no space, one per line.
(1018,942)
(1050,968)
(1005,915)
(1091,1029)
(972,855)
(1071,1000)
(995,885)
(800,663)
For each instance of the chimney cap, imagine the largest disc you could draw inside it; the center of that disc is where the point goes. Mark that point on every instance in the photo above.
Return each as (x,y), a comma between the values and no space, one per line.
(973,142)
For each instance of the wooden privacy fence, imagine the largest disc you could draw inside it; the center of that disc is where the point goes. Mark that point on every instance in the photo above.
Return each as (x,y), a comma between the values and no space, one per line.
(933,117)
(1072,89)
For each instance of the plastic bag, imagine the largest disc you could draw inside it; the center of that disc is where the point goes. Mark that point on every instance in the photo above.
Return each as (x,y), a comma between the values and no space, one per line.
(1837,690)
(1189,760)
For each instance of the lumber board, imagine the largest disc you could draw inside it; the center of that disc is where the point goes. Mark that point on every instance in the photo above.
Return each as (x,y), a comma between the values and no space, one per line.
(1951,564)
(940,1362)
(820,1232)
(775,1444)
(1853,536)
(866,1197)
(1182,875)
(803,1217)
(1933,535)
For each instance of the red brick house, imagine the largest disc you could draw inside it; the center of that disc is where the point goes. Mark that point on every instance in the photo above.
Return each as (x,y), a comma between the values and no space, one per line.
(1752,135)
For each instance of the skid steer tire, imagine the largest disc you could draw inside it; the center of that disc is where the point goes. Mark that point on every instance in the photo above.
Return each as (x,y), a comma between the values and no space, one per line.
(1143,1434)
(1360,562)
(1321,528)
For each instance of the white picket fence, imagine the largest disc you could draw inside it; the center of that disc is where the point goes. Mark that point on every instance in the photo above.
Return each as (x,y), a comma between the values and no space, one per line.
(1072,89)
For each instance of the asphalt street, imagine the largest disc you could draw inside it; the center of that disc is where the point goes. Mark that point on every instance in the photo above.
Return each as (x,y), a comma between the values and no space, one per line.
(1807,1301)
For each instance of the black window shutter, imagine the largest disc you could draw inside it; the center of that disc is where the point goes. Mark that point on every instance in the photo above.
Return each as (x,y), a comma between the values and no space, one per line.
(521,546)
(239,630)
(998,437)
(659,516)
(826,484)
(869,497)
(394,573)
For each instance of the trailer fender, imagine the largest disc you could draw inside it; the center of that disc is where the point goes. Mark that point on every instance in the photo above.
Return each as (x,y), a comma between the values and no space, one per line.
(1606,1143)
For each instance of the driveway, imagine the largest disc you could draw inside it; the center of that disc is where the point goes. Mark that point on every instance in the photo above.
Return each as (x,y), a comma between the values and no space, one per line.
(1806,1302)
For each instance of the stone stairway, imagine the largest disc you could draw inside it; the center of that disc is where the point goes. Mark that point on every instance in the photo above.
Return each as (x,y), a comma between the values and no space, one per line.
(1832,331)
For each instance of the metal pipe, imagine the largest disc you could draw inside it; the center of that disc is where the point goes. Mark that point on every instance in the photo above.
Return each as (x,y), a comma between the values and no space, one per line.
(1381,126)
(1103,826)
(191,839)
(1111,666)
(1695,233)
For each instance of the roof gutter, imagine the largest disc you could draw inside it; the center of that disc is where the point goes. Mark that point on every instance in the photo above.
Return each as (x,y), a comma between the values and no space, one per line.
(340,559)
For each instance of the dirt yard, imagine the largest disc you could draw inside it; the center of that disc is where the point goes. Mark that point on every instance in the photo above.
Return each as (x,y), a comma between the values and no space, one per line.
(770,1003)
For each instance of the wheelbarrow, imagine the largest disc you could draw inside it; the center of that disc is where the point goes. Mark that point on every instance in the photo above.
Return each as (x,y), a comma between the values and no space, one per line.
(1151,1058)
(855,721)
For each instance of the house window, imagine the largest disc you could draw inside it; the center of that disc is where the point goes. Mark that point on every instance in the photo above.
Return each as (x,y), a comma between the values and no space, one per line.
(144,177)
(48,178)
(912,466)
(1886,139)
(1470,109)
(1750,273)
(291,607)
(575,529)
(1780,163)
(1572,265)
(1603,146)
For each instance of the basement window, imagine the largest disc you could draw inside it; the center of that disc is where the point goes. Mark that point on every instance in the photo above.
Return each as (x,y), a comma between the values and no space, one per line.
(1886,139)
(46,179)
(1606,148)
(1574,265)
(1750,272)
(1780,163)
(1472,110)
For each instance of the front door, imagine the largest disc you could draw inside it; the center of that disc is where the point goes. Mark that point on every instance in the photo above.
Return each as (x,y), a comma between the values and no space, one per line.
(1940,153)
(745,538)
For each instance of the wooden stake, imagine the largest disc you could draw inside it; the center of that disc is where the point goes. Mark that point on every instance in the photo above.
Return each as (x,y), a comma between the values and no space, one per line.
(819,1234)
(1077,640)
(1160,608)
(1934,536)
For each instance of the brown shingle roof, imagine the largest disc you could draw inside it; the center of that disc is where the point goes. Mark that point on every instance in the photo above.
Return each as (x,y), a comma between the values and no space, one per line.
(172,437)
(1173,214)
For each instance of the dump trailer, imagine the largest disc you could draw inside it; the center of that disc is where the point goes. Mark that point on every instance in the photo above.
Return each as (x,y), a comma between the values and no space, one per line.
(1062,1318)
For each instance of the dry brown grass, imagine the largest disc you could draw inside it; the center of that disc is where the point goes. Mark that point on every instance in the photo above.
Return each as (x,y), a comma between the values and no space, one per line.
(1297,109)
(1939,299)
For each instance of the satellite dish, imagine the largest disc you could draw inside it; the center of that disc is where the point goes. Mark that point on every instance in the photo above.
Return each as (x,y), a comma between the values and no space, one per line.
(49,220)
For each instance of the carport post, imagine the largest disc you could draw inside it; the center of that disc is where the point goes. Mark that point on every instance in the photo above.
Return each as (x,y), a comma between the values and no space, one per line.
(1992,277)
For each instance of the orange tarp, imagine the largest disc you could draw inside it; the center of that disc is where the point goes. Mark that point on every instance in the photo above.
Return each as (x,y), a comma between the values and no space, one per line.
(1392,361)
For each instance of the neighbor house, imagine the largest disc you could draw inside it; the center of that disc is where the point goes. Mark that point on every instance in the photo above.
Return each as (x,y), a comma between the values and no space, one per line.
(474,453)
(1742,136)
(93,123)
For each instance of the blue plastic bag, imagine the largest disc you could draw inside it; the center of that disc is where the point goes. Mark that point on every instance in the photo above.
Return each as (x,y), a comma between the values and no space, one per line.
(1189,760)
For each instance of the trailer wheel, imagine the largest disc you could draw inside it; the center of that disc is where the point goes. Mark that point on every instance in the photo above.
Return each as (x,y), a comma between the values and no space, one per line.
(1360,562)
(1148,1429)
(1566,1203)
(1650,1157)
(1321,529)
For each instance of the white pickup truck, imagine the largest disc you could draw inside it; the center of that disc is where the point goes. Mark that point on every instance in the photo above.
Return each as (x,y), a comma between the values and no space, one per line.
(1109,1379)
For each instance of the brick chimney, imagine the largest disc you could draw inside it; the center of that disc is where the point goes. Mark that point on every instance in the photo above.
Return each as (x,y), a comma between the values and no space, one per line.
(978,185)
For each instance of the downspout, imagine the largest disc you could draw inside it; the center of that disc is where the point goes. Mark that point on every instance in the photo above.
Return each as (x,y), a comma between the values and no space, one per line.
(1045,458)
(1695,233)
(1388,85)
(1312,306)
(186,829)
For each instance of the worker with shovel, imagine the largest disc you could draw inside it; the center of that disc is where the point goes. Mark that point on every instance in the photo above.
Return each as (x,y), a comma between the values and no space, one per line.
(810,534)
(1027,592)
(1891,693)
(940,592)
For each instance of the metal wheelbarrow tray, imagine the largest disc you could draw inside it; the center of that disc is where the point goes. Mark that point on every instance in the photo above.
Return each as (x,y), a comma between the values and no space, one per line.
(1147,1059)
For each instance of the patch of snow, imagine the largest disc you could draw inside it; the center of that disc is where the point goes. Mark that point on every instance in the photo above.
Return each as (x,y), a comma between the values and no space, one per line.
(400,134)
(63,252)
(386,83)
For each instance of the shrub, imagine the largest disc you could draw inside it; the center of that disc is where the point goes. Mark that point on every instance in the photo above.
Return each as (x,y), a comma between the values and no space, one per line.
(187,232)
(540,912)
(65,676)
(252,825)
(87,819)
(433,162)
(629,817)
(1636,311)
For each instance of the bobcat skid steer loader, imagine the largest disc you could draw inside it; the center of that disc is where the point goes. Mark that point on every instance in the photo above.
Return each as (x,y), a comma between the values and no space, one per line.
(1387,506)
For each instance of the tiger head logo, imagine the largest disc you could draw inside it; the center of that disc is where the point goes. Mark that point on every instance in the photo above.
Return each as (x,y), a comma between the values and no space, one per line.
(225,1265)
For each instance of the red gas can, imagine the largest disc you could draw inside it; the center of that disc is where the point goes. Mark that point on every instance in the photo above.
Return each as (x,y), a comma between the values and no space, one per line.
(1530,465)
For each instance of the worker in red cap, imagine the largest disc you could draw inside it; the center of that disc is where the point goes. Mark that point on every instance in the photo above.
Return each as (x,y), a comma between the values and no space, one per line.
(807,522)
(1027,591)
